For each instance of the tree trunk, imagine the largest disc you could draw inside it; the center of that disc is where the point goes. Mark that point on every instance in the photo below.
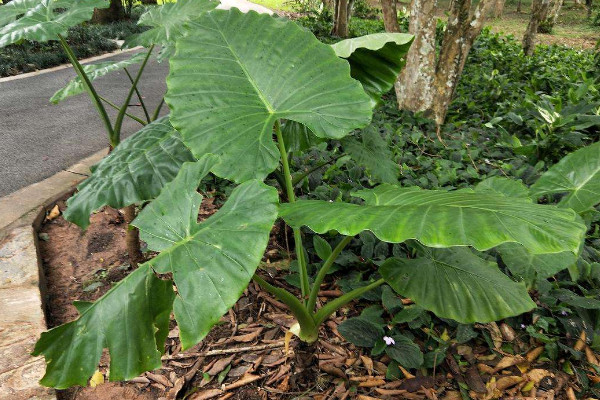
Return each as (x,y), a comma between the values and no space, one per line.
(341,19)
(549,21)
(588,6)
(132,237)
(428,84)
(414,88)
(538,13)
(390,15)
(519,6)
(115,12)
(498,8)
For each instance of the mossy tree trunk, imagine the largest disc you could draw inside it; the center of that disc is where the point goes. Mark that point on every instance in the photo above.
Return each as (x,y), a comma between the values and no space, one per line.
(539,9)
(390,15)
(549,21)
(428,83)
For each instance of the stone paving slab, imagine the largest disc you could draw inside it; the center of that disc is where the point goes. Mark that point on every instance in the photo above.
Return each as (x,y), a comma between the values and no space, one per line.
(22,317)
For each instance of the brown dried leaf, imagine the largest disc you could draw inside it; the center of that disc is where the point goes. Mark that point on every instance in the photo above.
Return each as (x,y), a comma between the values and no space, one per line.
(220,365)
(474,380)
(159,379)
(580,342)
(507,362)
(508,381)
(206,394)
(534,354)
(332,370)
(368,363)
(245,380)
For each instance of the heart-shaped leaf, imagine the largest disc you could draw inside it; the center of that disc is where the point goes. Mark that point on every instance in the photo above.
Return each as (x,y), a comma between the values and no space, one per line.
(530,267)
(456,283)
(136,170)
(438,218)
(167,24)
(131,320)
(503,187)
(576,175)
(211,262)
(235,74)
(43,20)
(375,60)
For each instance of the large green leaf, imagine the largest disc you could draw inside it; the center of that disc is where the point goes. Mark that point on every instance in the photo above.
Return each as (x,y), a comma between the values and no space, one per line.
(235,74)
(93,71)
(131,320)
(375,60)
(529,267)
(43,20)
(458,284)
(135,171)
(211,262)
(503,187)
(372,152)
(577,176)
(442,219)
(167,24)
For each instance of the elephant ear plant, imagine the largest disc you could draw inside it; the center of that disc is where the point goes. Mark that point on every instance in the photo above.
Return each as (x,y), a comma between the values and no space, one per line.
(234,80)
(44,20)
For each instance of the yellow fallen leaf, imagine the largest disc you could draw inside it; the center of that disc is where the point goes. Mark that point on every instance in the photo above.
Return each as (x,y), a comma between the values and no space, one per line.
(55,212)
(96,379)
(445,337)
(528,386)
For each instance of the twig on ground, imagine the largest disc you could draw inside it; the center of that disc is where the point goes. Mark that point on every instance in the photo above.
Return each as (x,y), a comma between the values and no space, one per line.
(224,351)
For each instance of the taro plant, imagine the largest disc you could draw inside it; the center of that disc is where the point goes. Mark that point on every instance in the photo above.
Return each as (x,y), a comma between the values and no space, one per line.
(234,80)
(44,20)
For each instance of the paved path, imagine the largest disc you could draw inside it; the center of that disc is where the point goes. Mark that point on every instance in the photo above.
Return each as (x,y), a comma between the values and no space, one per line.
(39,139)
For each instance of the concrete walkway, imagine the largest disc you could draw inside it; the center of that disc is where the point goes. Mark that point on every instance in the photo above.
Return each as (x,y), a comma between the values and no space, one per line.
(39,139)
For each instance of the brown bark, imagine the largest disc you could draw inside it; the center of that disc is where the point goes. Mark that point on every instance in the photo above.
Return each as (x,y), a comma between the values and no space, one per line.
(341,21)
(498,9)
(390,15)
(519,6)
(115,12)
(132,237)
(549,21)
(415,83)
(588,6)
(428,84)
(538,13)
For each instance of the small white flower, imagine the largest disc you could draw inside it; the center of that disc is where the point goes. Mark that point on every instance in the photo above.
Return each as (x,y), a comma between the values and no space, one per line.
(389,341)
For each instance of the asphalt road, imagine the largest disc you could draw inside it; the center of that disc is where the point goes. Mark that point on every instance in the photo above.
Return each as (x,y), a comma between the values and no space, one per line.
(39,139)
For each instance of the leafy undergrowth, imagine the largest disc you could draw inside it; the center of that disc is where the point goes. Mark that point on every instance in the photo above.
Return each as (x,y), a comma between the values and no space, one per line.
(86,40)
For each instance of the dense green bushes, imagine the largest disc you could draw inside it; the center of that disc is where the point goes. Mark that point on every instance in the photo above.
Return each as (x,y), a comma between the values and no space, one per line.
(29,56)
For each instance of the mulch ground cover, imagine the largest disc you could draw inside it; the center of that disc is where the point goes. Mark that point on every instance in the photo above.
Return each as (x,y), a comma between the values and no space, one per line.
(246,356)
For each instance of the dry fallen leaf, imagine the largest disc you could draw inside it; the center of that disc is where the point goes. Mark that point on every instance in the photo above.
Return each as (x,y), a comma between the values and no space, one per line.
(96,379)
(508,381)
(55,212)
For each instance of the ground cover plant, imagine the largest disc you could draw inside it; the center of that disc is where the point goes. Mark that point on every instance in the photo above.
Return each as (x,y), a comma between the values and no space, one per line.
(381,194)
